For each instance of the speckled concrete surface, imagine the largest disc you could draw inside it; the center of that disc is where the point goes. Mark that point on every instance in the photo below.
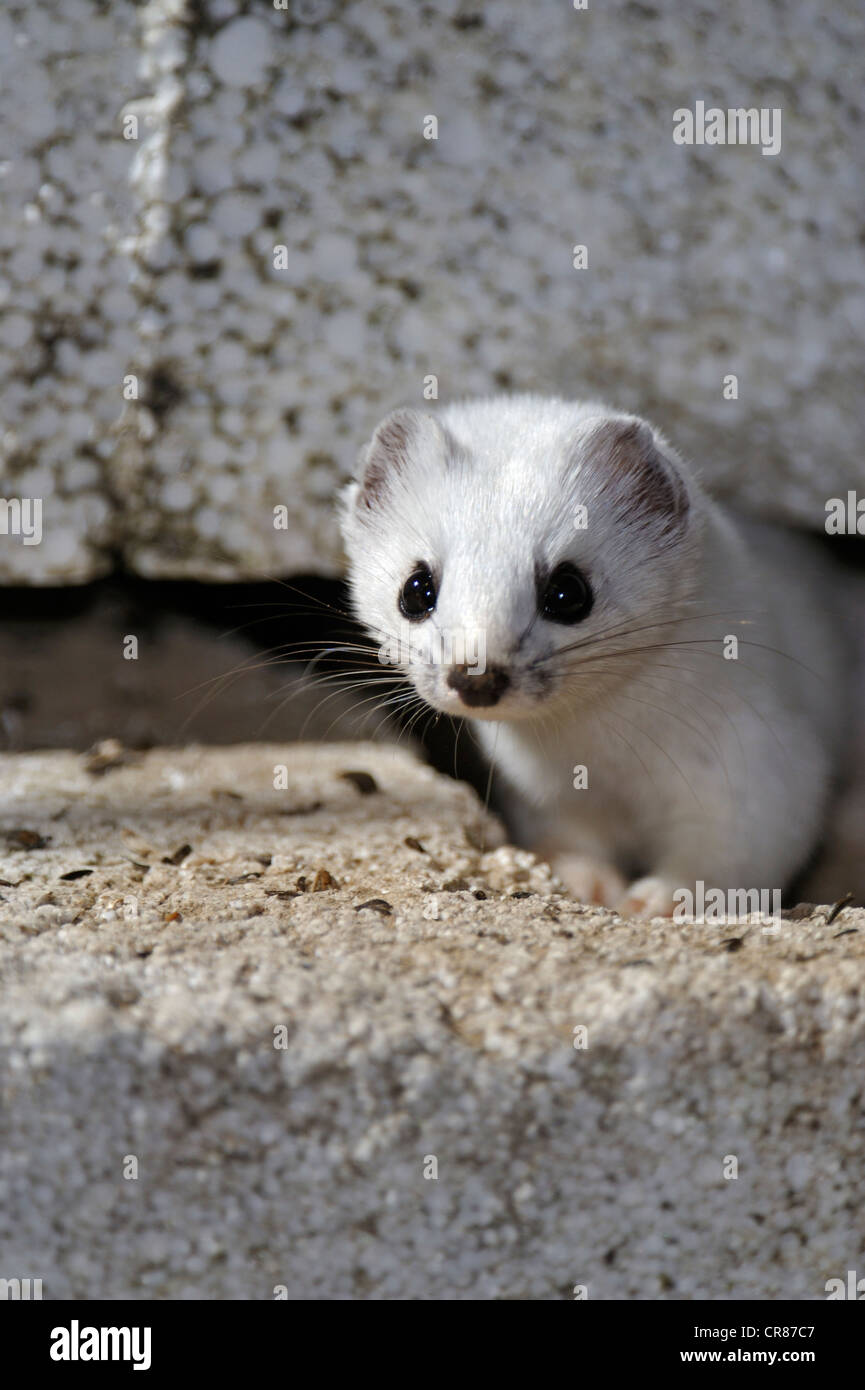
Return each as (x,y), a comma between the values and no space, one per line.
(68,315)
(406,257)
(165,922)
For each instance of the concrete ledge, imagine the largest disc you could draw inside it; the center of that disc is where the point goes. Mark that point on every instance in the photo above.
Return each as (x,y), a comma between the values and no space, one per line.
(142,1001)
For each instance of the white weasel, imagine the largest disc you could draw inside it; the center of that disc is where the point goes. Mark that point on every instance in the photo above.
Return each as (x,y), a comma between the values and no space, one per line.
(694,662)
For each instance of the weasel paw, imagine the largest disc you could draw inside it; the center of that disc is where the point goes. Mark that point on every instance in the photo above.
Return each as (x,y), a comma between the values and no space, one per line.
(647,897)
(589,880)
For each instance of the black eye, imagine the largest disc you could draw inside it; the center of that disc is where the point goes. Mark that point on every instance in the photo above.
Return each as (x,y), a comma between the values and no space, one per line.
(567,597)
(418,597)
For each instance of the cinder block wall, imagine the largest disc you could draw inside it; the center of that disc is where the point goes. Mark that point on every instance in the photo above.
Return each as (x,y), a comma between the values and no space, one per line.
(153,256)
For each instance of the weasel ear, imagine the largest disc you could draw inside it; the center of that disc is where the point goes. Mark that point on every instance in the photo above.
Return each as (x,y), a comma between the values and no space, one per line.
(630,462)
(403,434)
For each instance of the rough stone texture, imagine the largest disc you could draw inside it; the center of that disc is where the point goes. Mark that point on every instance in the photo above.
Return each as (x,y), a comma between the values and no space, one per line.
(303,127)
(140,1003)
(67,311)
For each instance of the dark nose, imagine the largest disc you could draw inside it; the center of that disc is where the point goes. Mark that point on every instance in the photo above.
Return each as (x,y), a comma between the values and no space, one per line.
(485,689)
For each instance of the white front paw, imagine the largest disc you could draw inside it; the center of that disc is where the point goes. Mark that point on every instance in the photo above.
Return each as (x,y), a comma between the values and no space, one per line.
(589,880)
(648,897)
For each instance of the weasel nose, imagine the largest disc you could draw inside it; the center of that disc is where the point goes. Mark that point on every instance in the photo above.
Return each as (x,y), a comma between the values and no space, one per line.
(485,689)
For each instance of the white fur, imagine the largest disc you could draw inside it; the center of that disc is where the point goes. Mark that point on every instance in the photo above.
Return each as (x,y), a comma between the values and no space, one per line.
(699,768)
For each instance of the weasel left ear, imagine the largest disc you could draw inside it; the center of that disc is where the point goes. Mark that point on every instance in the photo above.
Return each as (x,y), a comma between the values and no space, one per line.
(625,451)
(401,434)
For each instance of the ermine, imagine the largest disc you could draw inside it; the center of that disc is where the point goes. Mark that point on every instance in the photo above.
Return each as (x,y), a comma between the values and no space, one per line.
(664,686)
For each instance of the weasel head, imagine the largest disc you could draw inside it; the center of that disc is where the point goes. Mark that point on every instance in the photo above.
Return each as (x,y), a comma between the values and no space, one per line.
(515,555)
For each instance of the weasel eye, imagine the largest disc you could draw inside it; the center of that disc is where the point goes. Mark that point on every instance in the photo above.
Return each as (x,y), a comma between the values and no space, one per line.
(567,597)
(418,597)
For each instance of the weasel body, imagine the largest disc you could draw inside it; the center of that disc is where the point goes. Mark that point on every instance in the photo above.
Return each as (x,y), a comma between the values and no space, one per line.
(665,686)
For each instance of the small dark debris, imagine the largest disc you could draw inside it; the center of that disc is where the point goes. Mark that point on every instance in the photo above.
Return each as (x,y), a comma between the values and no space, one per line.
(455,885)
(301,884)
(848,931)
(26,839)
(413,843)
(303,810)
(4,883)
(468,21)
(479,894)
(76,873)
(364,781)
(224,791)
(109,753)
(204,270)
(323,880)
(376,905)
(162,390)
(839,907)
(522,893)
(641,961)
(733,943)
(282,893)
(242,878)
(122,993)
(178,856)
(797,913)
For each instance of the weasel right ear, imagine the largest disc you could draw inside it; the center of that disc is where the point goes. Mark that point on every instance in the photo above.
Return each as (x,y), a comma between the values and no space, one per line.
(646,482)
(403,434)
